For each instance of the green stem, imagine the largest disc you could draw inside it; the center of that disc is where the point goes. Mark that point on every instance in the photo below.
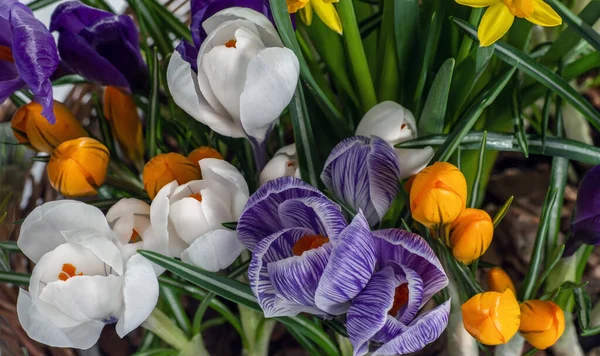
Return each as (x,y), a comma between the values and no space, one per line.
(356,54)
(387,88)
(160,324)
(258,331)
(467,42)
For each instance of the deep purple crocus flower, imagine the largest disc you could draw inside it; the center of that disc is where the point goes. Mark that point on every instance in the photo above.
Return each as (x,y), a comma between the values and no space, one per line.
(99,46)
(363,173)
(585,222)
(28,55)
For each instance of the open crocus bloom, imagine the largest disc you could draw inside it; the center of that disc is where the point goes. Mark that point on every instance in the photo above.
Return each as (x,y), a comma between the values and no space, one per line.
(396,124)
(192,214)
(80,283)
(283,164)
(245,76)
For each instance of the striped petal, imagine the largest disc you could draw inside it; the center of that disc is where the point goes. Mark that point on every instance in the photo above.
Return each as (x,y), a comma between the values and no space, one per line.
(404,274)
(495,23)
(318,214)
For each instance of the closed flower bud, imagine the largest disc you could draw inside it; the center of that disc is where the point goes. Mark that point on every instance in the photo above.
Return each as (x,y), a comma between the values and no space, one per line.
(167,167)
(542,323)
(499,281)
(203,152)
(492,317)
(121,113)
(78,167)
(438,195)
(471,234)
(34,130)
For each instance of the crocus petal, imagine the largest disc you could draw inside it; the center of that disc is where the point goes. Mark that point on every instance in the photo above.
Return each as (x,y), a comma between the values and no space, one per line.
(271,82)
(389,121)
(188,219)
(404,274)
(183,85)
(328,14)
(384,173)
(41,329)
(318,214)
(140,294)
(544,15)
(188,53)
(267,31)
(412,161)
(101,246)
(478,3)
(260,217)
(350,267)
(223,172)
(127,206)
(213,251)
(494,24)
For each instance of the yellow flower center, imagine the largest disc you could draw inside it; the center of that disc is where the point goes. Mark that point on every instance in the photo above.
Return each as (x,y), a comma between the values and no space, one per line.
(295,5)
(307,243)
(400,299)
(68,271)
(196,196)
(520,8)
(6,54)
(230,44)
(135,237)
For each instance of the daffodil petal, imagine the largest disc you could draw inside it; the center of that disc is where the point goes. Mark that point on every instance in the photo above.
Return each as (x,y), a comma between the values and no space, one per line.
(544,15)
(478,3)
(495,23)
(328,15)
(306,14)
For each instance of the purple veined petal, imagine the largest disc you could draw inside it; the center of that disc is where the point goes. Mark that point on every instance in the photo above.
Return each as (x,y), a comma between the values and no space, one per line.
(260,217)
(368,312)
(350,267)
(412,251)
(35,55)
(271,302)
(189,53)
(384,175)
(321,215)
(425,329)
(407,275)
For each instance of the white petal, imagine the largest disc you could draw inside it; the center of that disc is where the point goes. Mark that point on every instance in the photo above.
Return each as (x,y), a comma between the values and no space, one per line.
(216,211)
(103,247)
(223,172)
(41,329)
(277,167)
(183,85)
(270,85)
(42,230)
(176,244)
(159,210)
(214,251)
(197,186)
(386,121)
(412,161)
(266,29)
(289,150)
(140,294)
(188,219)
(127,206)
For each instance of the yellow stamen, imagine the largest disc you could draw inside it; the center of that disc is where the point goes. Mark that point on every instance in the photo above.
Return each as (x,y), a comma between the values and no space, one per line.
(230,43)
(520,8)
(196,196)
(68,271)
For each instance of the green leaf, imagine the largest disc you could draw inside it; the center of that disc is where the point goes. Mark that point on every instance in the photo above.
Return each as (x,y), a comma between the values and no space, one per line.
(432,117)
(152,25)
(542,74)
(406,31)
(466,123)
(546,116)
(151,136)
(9,246)
(576,23)
(174,303)
(479,173)
(550,263)
(14,278)
(303,136)
(591,332)
(69,80)
(157,352)
(169,19)
(518,122)
(583,305)
(502,211)
(557,147)
(107,136)
(230,225)
(40,4)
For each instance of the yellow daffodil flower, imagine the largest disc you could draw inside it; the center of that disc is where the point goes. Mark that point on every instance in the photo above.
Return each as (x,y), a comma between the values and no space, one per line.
(500,15)
(324,9)
(542,323)
(167,167)
(492,318)
(471,234)
(499,281)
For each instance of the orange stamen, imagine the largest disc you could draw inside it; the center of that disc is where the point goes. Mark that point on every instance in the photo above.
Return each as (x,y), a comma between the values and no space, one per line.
(196,196)
(230,44)
(135,237)
(68,271)
(6,54)
(308,242)
(400,299)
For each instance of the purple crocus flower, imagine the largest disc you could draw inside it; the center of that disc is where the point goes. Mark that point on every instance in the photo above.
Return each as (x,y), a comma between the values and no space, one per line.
(99,46)
(585,222)
(28,55)
(363,173)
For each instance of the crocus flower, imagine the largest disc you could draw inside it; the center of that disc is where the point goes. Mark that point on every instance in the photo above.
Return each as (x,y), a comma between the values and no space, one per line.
(283,164)
(192,214)
(245,76)
(499,281)
(363,173)
(291,228)
(99,46)
(79,282)
(78,167)
(121,113)
(28,55)
(542,323)
(30,127)
(492,317)
(324,9)
(470,235)
(165,168)
(499,16)
(585,222)
(406,276)
(396,124)
(203,152)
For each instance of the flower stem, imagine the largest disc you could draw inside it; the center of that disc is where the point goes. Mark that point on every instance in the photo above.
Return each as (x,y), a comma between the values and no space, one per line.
(467,42)
(356,53)
(258,331)
(259,150)
(160,324)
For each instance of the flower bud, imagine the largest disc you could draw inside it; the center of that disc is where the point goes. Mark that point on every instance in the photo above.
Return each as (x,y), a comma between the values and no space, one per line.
(471,234)
(499,281)
(203,152)
(34,130)
(167,167)
(121,113)
(492,317)
(438,195)
(283,164)
(542,323)
(78,167)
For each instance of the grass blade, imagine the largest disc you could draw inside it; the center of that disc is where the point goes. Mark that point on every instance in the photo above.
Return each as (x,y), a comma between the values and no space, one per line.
(502,211)
(20,279)
(432,117)
(305,142)
(166,16)
(576,23)
(550,263)
(477,180)
(151,149)
(406,31)
(518,122)
(40,4)
(583,305)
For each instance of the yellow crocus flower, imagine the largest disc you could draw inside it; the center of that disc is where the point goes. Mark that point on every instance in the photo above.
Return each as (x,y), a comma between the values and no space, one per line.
(499,281)
(542,323)
(500,15)
(324,9)
(167,167)
(471,234)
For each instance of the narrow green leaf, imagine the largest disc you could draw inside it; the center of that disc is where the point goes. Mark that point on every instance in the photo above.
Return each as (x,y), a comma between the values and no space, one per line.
(550,263)
(174,304)
(40,4)
(69,80)
(17,100)
(40,158)
(432,117)
(305,342)
(546,116)
(502,211)
(305,142)
(153,26)
(152,121)
(531,352)
(576,23)
(591,332)
(583,305)
(518,122)
(169,19)
(466,123)
(230,225)
(157,352)
(21,279)
(107,136)
(9,246)
(406,31)
(477,180)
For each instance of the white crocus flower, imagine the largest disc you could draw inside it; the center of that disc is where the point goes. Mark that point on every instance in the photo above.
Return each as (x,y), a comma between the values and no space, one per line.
(395,124)
(192,214)
(130,220)
(245,76)
(284,163)
(80,283)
